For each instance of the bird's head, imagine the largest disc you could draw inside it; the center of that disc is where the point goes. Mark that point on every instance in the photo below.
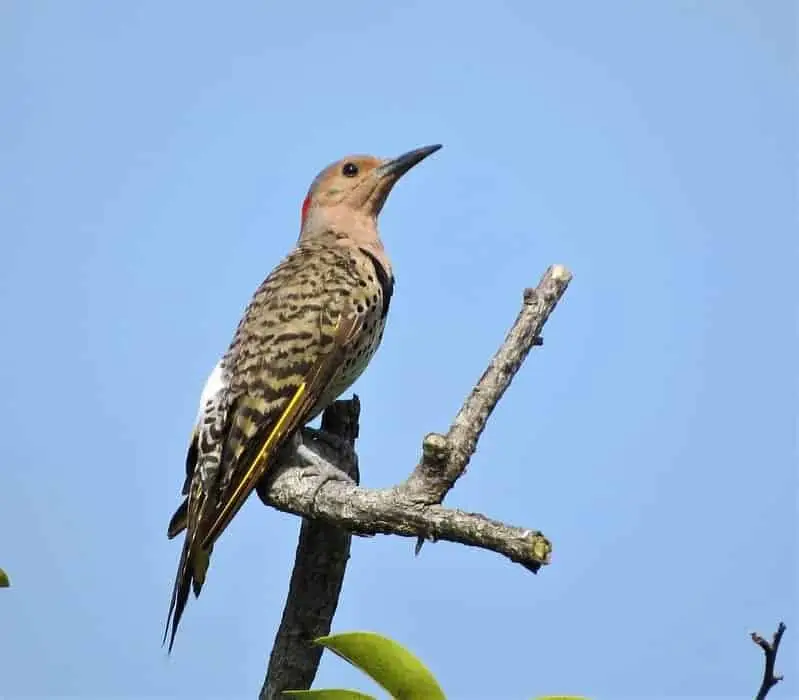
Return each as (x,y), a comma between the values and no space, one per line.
(349,194)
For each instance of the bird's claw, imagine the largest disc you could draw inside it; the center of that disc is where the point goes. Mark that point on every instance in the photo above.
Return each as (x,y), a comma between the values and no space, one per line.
(319,469)
(322,473)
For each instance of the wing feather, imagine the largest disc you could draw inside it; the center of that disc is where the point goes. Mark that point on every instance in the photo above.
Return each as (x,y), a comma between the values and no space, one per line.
(259,453)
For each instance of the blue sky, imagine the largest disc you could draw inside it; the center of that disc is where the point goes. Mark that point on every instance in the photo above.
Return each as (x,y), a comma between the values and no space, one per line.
(154,159)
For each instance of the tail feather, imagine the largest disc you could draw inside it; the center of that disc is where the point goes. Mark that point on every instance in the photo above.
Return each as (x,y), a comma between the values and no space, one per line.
(180,595)
(199,567)
(192,568)
(179,520)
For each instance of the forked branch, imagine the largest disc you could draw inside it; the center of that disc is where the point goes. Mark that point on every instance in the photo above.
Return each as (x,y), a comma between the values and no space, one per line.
(770,650)
(411,509)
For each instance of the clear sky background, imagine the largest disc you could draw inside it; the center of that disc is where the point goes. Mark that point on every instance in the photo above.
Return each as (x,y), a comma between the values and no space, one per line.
(154,157)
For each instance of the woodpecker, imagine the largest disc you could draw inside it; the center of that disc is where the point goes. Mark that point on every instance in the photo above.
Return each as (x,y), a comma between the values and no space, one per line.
(308,333)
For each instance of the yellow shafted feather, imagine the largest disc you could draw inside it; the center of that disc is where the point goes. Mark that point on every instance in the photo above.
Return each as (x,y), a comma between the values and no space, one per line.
(254,472)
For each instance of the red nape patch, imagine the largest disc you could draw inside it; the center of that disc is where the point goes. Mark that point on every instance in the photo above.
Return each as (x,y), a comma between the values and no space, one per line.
(305,206)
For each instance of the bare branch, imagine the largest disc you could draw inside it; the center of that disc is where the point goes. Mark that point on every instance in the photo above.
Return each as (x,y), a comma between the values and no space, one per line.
(770,651)
(393,512)
(322,553)
(335,503)
(445,458)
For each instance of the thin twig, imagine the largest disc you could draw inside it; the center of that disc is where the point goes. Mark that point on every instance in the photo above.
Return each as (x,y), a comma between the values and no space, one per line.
(442,466)
(770,650)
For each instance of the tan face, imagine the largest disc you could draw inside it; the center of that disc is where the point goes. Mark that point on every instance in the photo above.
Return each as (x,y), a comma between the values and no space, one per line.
(360,182)
(351,180)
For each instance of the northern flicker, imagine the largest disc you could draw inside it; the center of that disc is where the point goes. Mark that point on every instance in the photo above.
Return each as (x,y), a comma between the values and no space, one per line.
(308,333)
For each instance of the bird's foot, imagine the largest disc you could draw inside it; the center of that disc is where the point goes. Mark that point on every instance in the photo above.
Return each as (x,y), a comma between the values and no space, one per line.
(320,470)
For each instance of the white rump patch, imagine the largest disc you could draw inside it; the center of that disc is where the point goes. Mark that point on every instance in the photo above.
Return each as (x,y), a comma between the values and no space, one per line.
(213,386)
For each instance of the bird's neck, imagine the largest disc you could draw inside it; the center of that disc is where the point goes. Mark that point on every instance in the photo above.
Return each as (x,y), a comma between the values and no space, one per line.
(346,227)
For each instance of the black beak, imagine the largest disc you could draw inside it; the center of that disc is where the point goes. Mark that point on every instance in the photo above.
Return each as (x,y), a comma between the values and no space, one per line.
(397,167)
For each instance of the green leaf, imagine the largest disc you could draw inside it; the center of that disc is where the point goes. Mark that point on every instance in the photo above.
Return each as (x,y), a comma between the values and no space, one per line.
(331,694)
(386,662)
(4,582)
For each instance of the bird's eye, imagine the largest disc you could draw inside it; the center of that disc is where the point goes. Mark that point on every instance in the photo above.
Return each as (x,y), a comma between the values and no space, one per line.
(349,170)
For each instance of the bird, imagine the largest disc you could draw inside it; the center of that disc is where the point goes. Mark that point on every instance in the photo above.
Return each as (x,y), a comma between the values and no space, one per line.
(308,333)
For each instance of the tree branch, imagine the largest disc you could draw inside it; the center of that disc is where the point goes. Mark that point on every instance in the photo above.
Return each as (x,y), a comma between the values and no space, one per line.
(411,509)
(770,651)
(392,511)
